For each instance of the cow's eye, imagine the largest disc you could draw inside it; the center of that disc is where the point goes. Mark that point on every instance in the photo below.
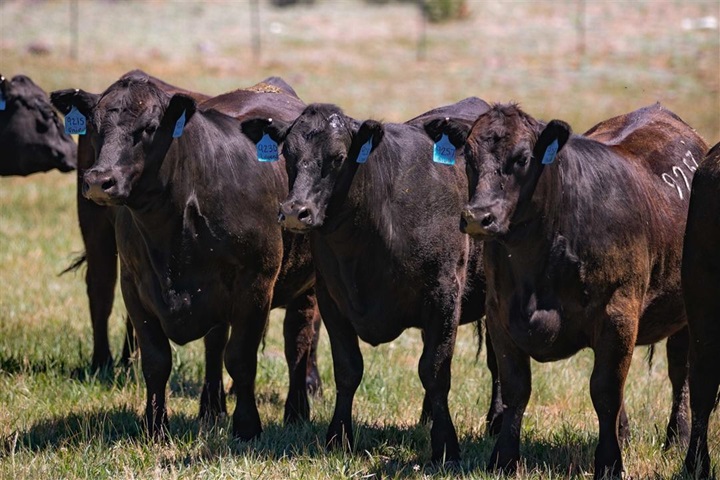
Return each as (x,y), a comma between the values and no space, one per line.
(521,161)
(150,129)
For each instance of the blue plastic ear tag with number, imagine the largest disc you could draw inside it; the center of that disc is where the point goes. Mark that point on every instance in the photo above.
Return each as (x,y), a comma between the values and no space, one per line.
(444,151)
(2,100)
(364,151)
(550,153)
(75,123)
(267,149)
(179,125)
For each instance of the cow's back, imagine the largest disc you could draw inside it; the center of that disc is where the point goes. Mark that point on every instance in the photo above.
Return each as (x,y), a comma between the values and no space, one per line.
(271,98)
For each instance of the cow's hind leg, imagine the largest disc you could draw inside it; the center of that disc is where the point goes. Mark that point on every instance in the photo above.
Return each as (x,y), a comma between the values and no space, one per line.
(98,234)
(212,399)
(678,429)
(299,333)
(494,418)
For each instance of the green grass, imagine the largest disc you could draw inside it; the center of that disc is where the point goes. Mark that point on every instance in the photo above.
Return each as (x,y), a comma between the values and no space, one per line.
(57,421)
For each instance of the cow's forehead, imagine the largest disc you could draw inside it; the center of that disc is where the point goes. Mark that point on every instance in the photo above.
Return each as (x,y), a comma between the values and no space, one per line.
(133,99)
(500,127)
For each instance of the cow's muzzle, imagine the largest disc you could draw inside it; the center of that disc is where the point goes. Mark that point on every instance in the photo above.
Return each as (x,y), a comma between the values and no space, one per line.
(297,217)
(101,187)
(479,223)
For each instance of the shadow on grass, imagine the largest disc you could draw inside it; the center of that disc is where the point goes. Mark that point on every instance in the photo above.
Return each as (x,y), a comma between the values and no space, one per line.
(391,451)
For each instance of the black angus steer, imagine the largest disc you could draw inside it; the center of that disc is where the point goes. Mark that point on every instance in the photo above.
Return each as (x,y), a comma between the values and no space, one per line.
(385,245)
(583,245)
(197,236)
(32,137)
(701,290)
(97,226)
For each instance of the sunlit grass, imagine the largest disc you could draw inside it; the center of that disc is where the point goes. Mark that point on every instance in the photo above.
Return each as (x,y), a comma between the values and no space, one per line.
(58,421)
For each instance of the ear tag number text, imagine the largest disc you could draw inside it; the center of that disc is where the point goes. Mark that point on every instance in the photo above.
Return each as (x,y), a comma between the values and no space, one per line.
(444,151)
(75,122)
(267,149)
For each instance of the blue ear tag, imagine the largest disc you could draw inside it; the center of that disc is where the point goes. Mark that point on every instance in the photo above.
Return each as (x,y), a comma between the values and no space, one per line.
(179,125)
(444,151)
(267,149)
(364,151)
(75,123)
(550,153)
(2,100)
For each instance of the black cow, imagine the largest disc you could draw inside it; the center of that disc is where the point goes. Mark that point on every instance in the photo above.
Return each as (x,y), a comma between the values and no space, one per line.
(198,242)
(583,245)
(701,286)
(97,226)
(385,244)
(32,137)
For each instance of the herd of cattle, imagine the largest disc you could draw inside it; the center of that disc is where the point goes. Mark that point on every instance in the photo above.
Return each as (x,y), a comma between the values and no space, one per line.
(562,241)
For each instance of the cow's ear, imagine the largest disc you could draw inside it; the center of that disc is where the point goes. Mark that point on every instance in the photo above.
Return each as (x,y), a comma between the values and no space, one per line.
(551,140)
(457,132)
(64,100)
(178,113)
(256,128)
(369,130)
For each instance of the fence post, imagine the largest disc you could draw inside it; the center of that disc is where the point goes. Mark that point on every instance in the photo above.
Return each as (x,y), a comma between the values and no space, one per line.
(255,28)
(74,29)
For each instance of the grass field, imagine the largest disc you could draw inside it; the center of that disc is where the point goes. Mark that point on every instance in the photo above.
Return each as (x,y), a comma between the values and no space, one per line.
(58,422)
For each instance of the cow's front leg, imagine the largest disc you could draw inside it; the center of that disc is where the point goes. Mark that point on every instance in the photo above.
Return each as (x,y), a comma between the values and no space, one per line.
(212,399)
(348,370)
(241,361)
(434,370)
(613,350)
(156,358)
(516,385)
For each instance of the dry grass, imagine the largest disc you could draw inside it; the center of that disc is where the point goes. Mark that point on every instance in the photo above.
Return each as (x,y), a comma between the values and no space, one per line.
(55,425)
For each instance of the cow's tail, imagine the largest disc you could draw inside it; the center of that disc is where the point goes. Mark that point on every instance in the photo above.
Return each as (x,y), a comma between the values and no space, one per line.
(650,356)
(76,264)
(480,329)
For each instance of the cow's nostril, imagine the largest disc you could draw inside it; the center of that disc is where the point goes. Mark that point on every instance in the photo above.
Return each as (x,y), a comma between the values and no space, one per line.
(303,213)
(487,220)
(108,184)
(85,188)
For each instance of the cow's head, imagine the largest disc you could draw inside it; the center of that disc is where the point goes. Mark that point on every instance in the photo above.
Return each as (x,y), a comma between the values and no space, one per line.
(506,151)
(32,137)
(130,127)
(321,149)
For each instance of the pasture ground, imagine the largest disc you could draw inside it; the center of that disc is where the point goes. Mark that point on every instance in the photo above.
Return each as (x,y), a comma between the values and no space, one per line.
(57,421)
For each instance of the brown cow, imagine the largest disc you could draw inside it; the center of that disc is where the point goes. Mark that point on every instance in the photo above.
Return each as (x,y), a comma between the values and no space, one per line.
(701,288)
(583,245)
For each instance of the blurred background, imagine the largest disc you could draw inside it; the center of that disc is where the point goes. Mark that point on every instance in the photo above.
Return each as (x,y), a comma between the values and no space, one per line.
(580,60)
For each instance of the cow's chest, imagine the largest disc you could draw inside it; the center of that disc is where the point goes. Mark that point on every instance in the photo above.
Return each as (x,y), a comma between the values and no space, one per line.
(189,289)
(545,311)
(368,292)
